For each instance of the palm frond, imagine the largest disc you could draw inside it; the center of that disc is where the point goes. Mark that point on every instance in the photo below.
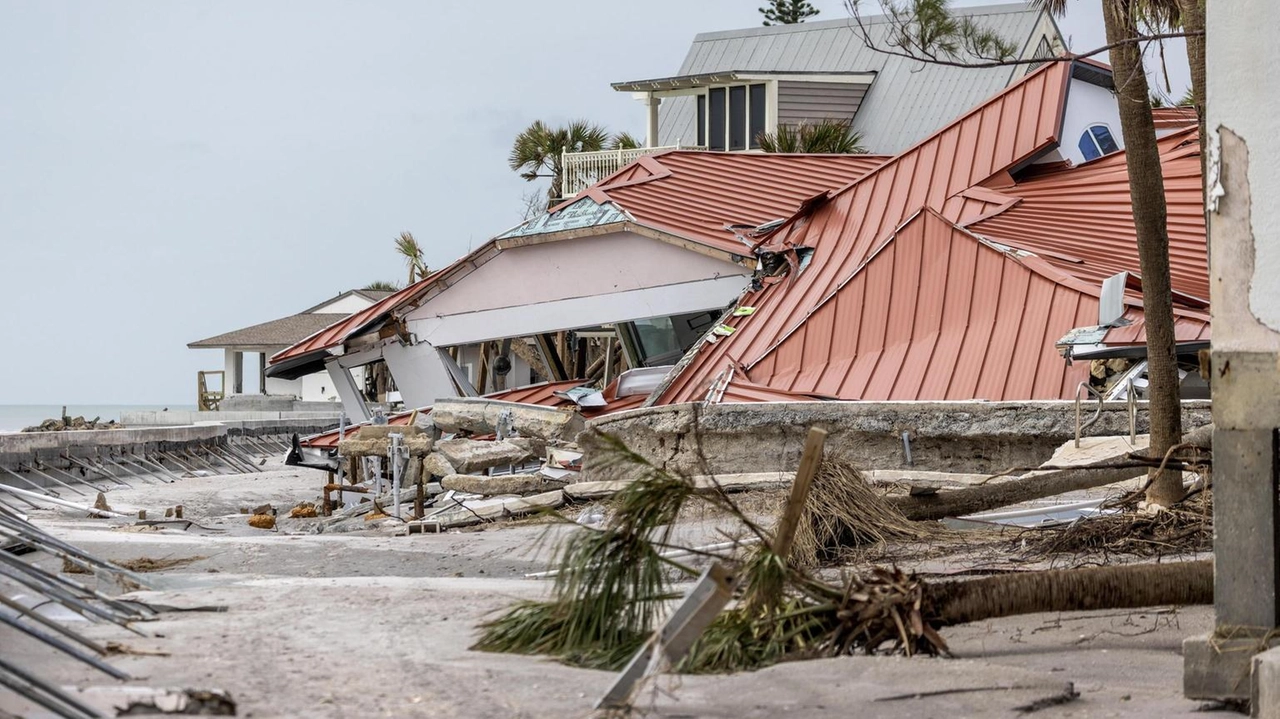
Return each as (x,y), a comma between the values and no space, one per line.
(826,136)
(381,286)
(624,141)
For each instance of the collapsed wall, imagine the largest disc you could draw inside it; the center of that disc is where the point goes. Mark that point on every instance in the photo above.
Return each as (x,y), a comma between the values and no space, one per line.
(978,437)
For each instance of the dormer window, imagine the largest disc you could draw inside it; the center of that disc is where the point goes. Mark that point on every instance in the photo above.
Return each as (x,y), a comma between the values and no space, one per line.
(732,117)
(1096,141)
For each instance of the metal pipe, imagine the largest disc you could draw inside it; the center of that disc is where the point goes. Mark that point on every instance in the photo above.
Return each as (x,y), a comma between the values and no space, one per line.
(32,535)
(394,458)
(40,487)
(73,477)
(53,479)
(234,462)
(61,596)
(145,461)
(69,584)
(100,468)
(41,619)
(173,457)
(61,502)
(65,648)
(143,471)
(55,692)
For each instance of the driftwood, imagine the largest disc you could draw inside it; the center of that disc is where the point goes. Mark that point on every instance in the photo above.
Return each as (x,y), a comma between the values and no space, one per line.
(1038,485)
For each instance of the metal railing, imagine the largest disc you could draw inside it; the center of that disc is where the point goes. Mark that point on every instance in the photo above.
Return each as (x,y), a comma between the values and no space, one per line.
(584,169)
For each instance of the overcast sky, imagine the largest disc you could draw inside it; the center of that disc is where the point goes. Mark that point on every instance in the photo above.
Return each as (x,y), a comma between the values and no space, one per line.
(174,170)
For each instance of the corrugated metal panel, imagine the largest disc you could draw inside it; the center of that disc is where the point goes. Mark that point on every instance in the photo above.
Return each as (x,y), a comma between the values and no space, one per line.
(334,334)
(1082,220)
(932,297)
(1008,129)
(801,101)
(908,100)
(695,194)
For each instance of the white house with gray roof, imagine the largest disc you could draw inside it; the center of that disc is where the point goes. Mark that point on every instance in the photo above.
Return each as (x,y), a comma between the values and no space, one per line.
(736,84)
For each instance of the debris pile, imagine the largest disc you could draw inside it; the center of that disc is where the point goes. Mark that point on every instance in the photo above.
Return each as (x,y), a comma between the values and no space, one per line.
(73,423)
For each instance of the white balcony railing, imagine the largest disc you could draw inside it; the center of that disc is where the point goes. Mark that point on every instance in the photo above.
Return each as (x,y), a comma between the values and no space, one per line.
(584,169)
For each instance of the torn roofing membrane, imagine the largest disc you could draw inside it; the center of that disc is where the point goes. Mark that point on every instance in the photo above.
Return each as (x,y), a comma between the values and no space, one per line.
(938,276)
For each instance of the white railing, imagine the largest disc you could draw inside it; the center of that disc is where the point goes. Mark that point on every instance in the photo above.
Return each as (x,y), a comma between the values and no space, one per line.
(584,169)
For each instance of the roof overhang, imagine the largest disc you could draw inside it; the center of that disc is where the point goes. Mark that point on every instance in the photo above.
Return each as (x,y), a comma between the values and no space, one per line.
(690,84)
(299,366)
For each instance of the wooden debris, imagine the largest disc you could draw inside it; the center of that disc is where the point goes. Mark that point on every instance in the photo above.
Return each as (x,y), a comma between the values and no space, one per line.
(303,510)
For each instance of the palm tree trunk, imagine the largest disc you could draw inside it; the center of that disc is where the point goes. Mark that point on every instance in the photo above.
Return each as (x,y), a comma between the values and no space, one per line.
(1146,191)
(1070,590)
(1192,12)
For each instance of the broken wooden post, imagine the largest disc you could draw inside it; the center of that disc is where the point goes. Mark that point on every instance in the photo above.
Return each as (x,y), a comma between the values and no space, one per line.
(809,463)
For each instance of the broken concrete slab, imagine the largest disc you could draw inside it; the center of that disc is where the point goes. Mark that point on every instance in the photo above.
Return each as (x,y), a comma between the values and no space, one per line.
(383,431)
(468,455)
(482,416)
(586,491)
(489,486)
(481,510)
(435,465)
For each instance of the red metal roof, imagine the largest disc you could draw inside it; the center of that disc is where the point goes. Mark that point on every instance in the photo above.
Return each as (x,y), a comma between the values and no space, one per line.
(695,194)
(1012,128)
(1168,118)
(1081,218)
(338,332)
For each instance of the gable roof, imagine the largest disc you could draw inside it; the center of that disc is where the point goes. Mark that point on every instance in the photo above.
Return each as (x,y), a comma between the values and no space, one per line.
(877,312)
(276,333)
(907,100)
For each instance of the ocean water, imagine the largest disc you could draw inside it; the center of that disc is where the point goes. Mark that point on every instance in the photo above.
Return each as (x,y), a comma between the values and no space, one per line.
(15,417)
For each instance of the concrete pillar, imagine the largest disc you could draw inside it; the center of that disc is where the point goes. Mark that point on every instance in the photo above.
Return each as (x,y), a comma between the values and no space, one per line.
(1244,233)
(352,401)
(651,135)
(262,372)
(233,363)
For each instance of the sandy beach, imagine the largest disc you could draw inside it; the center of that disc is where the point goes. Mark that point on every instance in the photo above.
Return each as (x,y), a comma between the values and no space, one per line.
(365,623)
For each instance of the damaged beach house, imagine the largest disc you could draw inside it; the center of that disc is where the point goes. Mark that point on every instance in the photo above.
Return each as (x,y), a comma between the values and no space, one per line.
(992,257)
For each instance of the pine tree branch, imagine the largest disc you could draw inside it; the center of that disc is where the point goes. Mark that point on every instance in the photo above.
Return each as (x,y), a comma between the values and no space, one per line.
(933,58)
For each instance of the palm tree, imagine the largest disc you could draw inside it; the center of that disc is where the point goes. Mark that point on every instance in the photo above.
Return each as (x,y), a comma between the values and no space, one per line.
(538,150)
(826,136)
(412,253)
(381,286)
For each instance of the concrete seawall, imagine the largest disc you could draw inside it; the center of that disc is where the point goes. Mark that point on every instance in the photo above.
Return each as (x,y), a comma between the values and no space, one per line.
(943,436)
(54,449)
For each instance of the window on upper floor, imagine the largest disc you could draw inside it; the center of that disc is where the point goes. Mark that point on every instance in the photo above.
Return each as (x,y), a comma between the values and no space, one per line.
(1096,141)
(732,117)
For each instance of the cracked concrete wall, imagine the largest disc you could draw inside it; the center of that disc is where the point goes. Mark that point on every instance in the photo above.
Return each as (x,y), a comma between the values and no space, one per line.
(944,436)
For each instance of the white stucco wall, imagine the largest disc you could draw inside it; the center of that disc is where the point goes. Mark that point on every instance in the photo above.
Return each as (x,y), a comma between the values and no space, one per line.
(583,267)
(1244,132)
(1087,104)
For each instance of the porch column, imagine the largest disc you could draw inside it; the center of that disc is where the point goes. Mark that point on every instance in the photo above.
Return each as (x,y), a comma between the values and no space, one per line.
(1244,234)
(651,136)
(352,400)
(233,364)
(262,372)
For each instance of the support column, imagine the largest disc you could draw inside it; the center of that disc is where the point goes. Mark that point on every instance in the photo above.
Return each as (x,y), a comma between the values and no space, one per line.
(262,372)
(1244,234)
(352,400)
(233,363)
(651,135)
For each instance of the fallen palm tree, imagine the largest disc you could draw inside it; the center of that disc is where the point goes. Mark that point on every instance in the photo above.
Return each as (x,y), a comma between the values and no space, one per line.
(613,584)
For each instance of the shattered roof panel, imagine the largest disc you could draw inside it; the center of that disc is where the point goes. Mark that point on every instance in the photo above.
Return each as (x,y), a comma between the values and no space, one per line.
(1009,129)
(693,195)
(335,333)
(1081,218)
